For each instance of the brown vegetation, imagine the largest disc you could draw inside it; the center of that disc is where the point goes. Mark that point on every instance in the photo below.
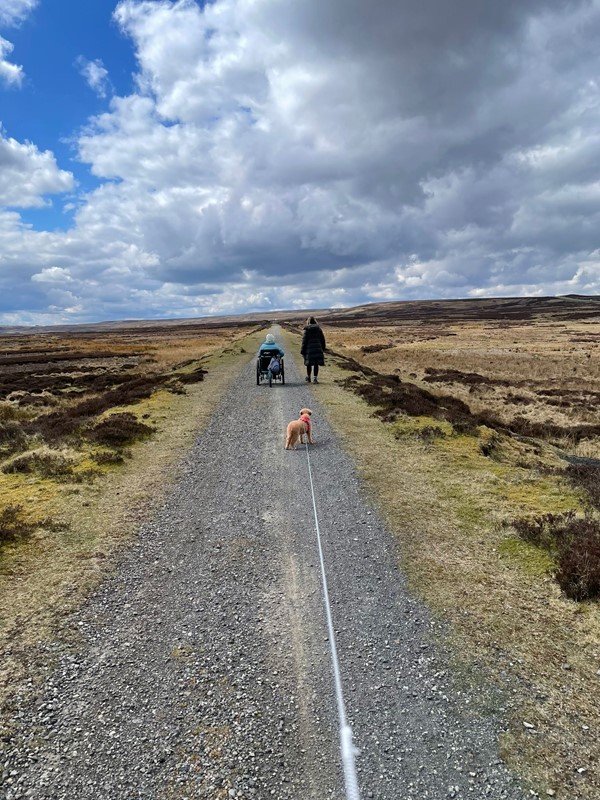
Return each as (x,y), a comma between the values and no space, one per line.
(531,365)
(55,387)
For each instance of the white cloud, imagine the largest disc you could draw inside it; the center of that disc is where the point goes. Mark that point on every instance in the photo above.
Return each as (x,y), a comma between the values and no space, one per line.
(95,74)
(27,174)
(14,11)
(10,74)
(52,275)
(421,149)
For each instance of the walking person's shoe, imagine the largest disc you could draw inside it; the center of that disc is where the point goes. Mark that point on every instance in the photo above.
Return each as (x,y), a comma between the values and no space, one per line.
(307,379)
(314,380)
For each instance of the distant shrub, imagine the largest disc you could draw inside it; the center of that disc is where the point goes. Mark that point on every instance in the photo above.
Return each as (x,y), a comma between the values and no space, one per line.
(579,562)
(517,399)
(12,525)
(351,365)
(394,397)
(455,376)
(547,530)
(118,430)
(108,457)
(192,377)
(586,477)
(176,387)
(376,348)
(12,437)
(43,400)
(490,447)
(465,427)
(575,543)
(46,465)
(431,432)
(10,411)
(69,422)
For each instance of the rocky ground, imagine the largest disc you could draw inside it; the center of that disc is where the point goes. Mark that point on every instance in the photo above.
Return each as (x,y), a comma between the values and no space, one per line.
(202,667)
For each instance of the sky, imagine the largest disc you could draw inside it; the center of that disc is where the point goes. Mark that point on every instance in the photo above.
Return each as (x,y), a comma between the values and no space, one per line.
(168,159)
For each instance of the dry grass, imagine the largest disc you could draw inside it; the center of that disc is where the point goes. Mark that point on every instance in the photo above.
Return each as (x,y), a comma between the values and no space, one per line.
(543,371)
(448,497)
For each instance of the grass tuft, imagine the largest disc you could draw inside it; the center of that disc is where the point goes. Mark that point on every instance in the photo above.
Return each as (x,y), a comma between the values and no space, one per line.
(12,437)
(119,430)
(108,457)
(586,477)
(13,526)
(46,465)
(575,542)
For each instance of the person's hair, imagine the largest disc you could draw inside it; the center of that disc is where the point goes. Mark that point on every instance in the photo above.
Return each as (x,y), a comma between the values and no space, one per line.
(311,321)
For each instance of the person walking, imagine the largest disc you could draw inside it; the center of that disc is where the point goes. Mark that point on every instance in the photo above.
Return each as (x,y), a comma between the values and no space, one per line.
(313,348)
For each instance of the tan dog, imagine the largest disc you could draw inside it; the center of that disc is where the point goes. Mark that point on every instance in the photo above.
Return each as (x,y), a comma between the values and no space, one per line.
(297,428)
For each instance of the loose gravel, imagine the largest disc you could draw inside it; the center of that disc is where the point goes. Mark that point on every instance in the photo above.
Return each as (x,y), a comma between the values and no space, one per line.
(202,667)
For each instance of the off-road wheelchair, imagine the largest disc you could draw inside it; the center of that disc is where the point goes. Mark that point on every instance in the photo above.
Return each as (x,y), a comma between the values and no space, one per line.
(263,373)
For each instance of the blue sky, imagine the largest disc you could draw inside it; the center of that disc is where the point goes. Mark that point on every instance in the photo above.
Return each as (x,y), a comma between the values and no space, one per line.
(162,158)
(55,100)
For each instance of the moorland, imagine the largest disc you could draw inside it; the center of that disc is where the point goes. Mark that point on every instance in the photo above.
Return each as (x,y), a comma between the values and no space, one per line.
(473,423)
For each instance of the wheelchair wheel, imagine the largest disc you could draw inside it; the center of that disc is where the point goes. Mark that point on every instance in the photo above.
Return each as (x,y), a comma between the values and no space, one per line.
(258,374)
(282,374)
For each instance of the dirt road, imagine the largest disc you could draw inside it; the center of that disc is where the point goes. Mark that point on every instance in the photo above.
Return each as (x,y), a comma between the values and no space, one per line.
(202,667)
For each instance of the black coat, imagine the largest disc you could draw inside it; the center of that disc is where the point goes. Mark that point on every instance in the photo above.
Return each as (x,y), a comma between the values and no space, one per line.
(313,346)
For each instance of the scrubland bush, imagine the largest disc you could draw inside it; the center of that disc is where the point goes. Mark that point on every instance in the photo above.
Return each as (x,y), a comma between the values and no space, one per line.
(69,422)
(119,430)
(176,387)
(431,432)
(12,525)
(575,543)
(586,477)
(579,563)
(46,465)
(12,437)
(192,377)
(10,411)
(108,457)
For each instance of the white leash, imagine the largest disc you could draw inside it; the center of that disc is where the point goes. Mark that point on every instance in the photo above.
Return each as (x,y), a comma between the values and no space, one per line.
(347,748)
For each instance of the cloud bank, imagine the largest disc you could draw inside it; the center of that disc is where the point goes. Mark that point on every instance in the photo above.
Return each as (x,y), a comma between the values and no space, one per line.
(278,154)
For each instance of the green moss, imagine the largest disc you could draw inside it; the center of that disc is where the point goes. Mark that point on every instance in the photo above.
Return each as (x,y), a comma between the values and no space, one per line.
(533,560)
(537,495)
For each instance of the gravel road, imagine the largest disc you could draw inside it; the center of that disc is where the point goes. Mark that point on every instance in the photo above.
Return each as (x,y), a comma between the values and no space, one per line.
(203,670)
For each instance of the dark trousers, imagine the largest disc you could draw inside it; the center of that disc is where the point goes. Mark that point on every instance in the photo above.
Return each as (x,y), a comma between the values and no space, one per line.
(316,369)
